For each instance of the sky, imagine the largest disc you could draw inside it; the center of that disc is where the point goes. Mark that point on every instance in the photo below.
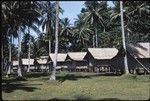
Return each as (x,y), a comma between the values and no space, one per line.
(71,10)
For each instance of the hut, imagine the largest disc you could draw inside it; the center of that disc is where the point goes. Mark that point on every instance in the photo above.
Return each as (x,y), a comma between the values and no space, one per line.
(15,64)
(61,63)
(76,61)
(138,56)
(42,63)
(99,59)
(25,63)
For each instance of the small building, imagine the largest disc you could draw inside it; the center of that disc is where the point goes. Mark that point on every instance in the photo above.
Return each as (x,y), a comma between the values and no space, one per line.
(15,64)
(76,61)
(61,63)
(137,55)
(99,59)
(42,63)
(25,63)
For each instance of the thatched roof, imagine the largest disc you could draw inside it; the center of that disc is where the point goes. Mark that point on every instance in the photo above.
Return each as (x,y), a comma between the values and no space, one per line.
(42,61)
(26,61)
(61,57)
(103,53)
(15,63)
(139,50)
(44,57)
(77,56)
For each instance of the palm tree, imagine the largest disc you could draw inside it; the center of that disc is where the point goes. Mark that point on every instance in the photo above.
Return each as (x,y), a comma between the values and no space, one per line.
(66,34)
(53,77)
(17,15)
(83,32)
(123,40)
(93,17)
(48,20)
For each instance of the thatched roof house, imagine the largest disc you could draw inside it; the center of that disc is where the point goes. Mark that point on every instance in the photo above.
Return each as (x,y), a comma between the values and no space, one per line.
(76,60)
(139,50)
(61,57)
(103,53)
(94,55)
(100,57)
(76,56)
(15,63)
(42,62)
(26,62)
(136,54)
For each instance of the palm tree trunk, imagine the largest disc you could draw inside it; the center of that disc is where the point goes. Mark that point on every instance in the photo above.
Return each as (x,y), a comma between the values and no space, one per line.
(9,62)
(19,51)
(28,70)
(53,77)
(49,42)
(123,39)
(96,41)
(93,41)
(2,58)
(29,55)
(104,29)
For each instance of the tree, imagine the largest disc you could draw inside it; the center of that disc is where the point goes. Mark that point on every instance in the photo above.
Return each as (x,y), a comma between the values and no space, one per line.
(82,34)
(48,21)
(16,15)
(53,77)
(123,40)
(93,17)
(66,34)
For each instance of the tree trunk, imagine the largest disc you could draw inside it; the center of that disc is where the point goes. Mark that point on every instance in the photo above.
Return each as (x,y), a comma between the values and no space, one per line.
(49,54)
(53,77)
(29,55)
(9,62)
(123,39)
(19,51)
(2,58)
(28,70)
(93,41)
(96,41)
(104,29)
(49,42)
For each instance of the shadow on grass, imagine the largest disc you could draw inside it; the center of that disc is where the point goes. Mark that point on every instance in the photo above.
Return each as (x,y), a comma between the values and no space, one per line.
(70,77)
(10,87)
(104,74)
(35,75)
(11,80)
(74,76)
(86,99)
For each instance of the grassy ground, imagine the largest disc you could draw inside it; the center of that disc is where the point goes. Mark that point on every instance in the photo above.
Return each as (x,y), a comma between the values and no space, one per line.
(77,86)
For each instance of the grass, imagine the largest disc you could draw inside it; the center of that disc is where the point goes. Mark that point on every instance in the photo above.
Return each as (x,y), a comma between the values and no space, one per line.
(77,86)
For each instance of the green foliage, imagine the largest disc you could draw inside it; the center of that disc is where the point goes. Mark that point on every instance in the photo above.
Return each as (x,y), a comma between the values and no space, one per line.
(95,17)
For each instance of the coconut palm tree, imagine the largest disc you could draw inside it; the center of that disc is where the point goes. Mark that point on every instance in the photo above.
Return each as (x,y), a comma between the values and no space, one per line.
(53,77)
(123,40)
(16,17)
(48,20)
(93,17)
(66,34)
